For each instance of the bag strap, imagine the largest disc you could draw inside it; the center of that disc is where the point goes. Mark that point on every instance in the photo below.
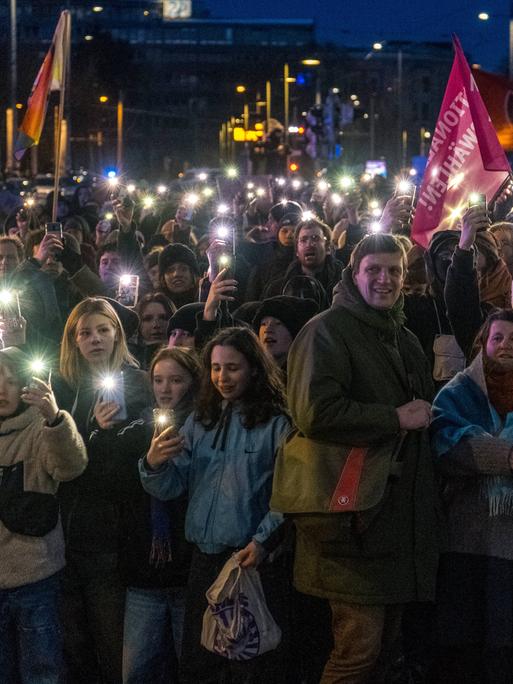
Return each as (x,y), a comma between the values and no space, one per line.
(346,491)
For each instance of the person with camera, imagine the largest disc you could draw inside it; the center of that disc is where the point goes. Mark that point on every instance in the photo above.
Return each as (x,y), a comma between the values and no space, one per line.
(40,447)
(223,459)
(104,390)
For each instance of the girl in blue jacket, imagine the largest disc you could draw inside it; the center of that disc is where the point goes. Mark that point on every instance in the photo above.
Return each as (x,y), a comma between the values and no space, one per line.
(224,459)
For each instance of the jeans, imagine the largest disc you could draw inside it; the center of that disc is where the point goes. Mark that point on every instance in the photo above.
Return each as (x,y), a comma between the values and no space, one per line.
(30,641)
(152,634)
(93,605)
(364,638)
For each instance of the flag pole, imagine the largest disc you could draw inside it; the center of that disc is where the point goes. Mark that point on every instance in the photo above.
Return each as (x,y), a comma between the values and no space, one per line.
(60,117)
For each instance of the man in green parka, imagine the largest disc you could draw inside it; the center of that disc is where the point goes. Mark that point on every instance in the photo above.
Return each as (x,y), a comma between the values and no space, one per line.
(357,475)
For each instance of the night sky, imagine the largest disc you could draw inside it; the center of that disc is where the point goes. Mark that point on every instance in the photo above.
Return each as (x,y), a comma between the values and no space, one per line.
(361,22)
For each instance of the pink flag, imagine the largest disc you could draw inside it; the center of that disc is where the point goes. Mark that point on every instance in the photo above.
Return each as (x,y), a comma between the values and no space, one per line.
(465,155)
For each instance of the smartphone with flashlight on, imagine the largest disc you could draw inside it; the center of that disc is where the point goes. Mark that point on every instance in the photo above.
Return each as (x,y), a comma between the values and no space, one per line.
(164,418)
(55,228)
(224,260)
(477,199)
(112,389)
(40,371)
(128,289)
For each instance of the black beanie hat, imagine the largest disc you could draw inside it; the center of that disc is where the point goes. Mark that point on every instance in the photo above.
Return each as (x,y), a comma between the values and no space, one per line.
(246,312)
(293,312)
(173,254)
(185,318)
(128,317)
(278,211)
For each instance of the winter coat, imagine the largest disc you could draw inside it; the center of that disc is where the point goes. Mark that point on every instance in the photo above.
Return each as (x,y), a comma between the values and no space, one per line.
(90,505)
(264,273)
(349,369)
(465,311)
(42,457)
(227,473)
(136,538)
(472,445)
(328,276)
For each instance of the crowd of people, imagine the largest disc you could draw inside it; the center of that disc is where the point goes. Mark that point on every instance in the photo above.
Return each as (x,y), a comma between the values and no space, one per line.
(338,417)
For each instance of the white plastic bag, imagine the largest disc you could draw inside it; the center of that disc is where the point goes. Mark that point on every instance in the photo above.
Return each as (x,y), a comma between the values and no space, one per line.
(237,623)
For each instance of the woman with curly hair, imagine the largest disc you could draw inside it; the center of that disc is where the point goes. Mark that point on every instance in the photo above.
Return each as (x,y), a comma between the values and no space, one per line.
(224,459)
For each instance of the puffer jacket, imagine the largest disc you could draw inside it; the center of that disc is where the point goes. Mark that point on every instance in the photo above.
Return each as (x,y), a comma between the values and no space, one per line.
(38,457)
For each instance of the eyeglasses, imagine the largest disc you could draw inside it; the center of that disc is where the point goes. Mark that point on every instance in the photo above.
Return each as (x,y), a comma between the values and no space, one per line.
(312,239)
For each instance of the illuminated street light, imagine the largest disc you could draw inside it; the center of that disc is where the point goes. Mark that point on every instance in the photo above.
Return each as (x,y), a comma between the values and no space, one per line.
(240,89)
(130,187)
(88,37)
(483,16)
(161,189)
(377,46)
(103,98)
(353,97)
(232,172)
(19,105)
(311,61)
(97,8)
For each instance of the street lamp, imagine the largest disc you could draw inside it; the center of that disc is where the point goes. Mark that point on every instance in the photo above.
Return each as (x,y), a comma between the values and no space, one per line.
(376,47)
(240,89)
(484,16)
(314,62)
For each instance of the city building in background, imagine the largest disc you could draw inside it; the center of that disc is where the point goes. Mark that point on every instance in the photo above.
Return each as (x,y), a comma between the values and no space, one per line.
(186,81)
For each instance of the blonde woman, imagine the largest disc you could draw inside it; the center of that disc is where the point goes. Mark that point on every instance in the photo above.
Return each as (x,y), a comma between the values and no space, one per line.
(104,390)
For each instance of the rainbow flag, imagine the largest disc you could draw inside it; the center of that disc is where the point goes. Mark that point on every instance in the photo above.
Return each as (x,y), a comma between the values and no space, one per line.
(50,77)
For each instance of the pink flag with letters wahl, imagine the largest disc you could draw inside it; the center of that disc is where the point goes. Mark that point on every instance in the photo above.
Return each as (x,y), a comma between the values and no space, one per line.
(465,155)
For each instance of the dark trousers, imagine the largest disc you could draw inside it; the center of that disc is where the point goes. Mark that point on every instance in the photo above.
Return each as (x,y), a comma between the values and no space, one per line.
(199,665)
(475,619)
(93,604)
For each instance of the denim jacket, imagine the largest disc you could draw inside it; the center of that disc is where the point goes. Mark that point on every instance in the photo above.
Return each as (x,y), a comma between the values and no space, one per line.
(227,473)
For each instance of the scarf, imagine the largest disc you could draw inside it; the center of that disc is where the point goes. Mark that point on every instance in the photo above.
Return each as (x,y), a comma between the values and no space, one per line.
(499,384)
(464,409)
(161,543)
(495,286)
(161,550)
